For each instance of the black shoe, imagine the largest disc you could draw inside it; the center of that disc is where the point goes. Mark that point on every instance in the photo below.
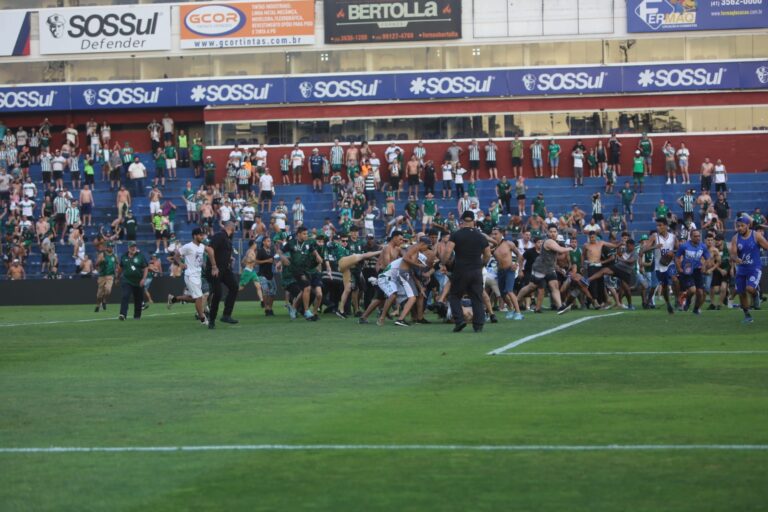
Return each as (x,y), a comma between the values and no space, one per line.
(402,323)
(537,311)
(269,312)
(423,321)
(358,314)
(459,327)
(145,306)
(670,309)
(211,325)
(494,320)
(711,307)
(229,320)
(121,317)
(340,315)
(96,310)
(478,329)
(362,320)
(104,306)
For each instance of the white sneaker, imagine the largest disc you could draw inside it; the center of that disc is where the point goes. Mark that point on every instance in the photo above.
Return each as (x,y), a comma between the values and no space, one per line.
(674,181)
(669,182)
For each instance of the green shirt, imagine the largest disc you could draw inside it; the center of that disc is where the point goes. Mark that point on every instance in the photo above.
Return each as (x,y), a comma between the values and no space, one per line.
(627,195)
(160,161)
(539,207)
(472,189)
(210,169)
(430,207)
(133,268)
(197,152)
(575,257)
(503,189)
(107,265)
(182,139)
(88,169)
(645,147)
(127,155)
(662,211)
(637,165)
(130,225)
(517,149)
(189,194)
(554,149)
(412,208)
(170,152)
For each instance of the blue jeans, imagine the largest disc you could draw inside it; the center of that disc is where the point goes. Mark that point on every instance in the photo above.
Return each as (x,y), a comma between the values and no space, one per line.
(138,187)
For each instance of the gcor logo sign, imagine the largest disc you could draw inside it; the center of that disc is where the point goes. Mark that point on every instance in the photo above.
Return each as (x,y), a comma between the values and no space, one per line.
(215,20)
(91,30)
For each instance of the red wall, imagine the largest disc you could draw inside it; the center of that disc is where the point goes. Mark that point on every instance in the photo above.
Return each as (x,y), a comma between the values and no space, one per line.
(740,153)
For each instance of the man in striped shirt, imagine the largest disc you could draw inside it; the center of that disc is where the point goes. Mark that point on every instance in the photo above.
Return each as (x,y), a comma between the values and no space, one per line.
(60,206)
(420,152)
(474,160)
(687,202)
(537,158)
(337,156)
(490,159)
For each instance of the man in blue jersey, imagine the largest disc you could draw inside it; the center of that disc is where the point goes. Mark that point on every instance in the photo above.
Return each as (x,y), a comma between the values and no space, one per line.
(745,254)
(690,258)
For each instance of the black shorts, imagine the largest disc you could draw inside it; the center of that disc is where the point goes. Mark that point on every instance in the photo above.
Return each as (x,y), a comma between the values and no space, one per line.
(694,280)
(490,163)
(317,175)
(266,195)
(46,177)
(34,151)
(721,187)
(247,224)
(160,172)
(197,163)
(718,278)
(298,286)
(316,280)
(623,275)
(85,208)
(542,282)
(597,216)
(243,187)
(474,164)
(61,218)
(57,175)
(394,181)
(75,176)
(413,179)
(520,197)
(517,161)
(613,159)
(600,158)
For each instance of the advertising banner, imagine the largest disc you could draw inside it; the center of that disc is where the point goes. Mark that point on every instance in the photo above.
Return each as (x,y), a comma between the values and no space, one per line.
(681,77)
(24,99)
(84,30)
(245,91)
(462,84)
(312,89)
(14,25)
(753,75)
(564,81)
(390,21)
(246,24)
(682,15)
(114,96)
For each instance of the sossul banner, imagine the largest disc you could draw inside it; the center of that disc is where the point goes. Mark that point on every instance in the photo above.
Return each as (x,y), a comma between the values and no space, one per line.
(390,21)
(493,83)
(245,24)
(134,28)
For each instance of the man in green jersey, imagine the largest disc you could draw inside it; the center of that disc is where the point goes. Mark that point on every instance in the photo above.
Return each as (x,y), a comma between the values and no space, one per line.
(299,256)
(106,264)
(637,171)
(628,198)
(170,159)
(183,141)
(661,211)
(645,147)
(428,211)
(554,158)
(126,154)
(196,154)
(210,171)
(160,162)
(538,207)
(133,270)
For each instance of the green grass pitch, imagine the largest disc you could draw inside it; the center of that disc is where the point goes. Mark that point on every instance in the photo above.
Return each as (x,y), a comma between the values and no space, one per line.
(167,382)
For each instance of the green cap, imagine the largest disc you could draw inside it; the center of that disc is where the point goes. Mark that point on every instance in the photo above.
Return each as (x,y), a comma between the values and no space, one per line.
(131,244)
(643,237)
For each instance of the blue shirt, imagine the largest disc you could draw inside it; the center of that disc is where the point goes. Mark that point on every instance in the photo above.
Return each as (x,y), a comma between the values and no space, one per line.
(316,163)
(748,252)
(692,255)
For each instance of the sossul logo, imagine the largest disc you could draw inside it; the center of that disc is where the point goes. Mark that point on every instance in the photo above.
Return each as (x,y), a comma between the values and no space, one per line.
(97,25)
(451,85)
(26,99)
(570,81)
(339,89)
(214,20)
(762,74)
(680,77)
(122,96)
(230,92)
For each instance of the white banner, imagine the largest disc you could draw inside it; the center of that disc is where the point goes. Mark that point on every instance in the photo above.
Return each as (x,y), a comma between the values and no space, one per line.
(133,28)
(14,25)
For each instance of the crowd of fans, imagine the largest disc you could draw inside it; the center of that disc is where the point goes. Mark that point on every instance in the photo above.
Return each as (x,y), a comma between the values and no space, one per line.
(37,215)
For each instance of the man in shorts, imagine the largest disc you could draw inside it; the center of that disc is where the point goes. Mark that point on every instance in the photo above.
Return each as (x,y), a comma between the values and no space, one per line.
(193,254)
(638,171)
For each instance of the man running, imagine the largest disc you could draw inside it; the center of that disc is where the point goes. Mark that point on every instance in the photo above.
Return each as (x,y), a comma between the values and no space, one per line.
(193,254)
(544,273)
(387,289)
(690,258)
(133,271)
(664,244)
(106,263)
(507,256)
(745,254)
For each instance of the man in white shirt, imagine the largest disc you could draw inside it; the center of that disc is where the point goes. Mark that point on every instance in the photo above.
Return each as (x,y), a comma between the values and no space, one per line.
(236,154)
(70,133)
(29,188)
(391,152)
(225,213)
(248,214)
(193,269)
(57,164)
(137,172)
(27,207)
(167,126)
(280,216)
(298,213)
(297,163)
(261,158)
(266,190)
(154,134)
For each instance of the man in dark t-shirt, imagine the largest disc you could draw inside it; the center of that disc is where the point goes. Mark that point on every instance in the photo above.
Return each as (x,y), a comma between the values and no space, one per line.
(219,271)
(472,252)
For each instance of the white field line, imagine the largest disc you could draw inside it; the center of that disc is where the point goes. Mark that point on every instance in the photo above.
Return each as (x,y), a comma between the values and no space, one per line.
(678,352)
(526,339)
(393,447)
(102,319)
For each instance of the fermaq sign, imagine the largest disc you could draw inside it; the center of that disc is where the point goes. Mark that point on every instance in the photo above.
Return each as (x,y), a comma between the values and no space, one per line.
(133,28)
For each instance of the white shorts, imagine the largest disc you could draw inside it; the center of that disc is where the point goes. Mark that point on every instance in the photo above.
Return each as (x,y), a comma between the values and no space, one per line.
(170,163)
(194,286)
(191,206)
(154,206)
(387,285)
(405,284)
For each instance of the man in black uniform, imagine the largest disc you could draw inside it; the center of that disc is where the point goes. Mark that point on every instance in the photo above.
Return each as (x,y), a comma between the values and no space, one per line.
(219,271)
(472,252)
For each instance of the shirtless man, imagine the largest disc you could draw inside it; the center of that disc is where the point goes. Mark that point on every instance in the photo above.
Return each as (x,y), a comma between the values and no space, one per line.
(123,201)
(154,200)
(623,267)
(593,256)
(407,286)
(206,216)
(707,170)
(387,291)
(249,274)
(16,271)
(507,271)
(86,205)
(352,155)
(412,169)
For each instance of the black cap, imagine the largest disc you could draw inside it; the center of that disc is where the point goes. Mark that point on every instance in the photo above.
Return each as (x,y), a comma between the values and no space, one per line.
(197,231)
(468,215)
